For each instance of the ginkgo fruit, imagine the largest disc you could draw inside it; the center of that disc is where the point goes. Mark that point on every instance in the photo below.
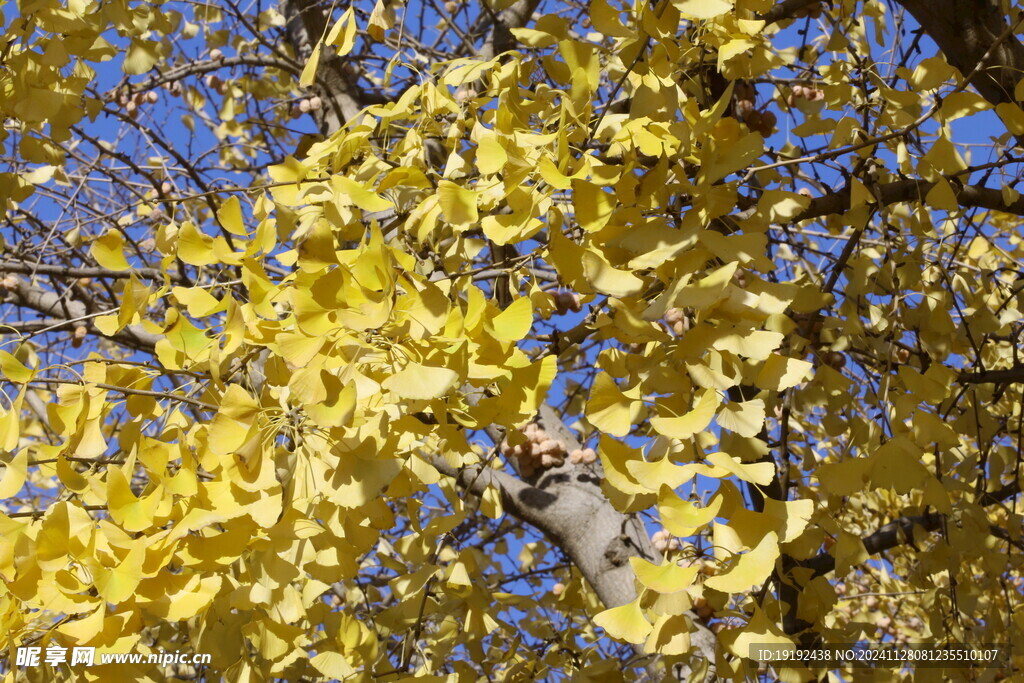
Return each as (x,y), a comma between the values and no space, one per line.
(677,320)
(538,453)
(583,456)
(745,90)
(566,301)
(704,609)
(744,108)
(664,541)
(464,94)
(834,359)
(79,336)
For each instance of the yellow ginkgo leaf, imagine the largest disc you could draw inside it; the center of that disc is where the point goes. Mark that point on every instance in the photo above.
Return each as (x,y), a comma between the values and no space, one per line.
(755,345)
(195,248)
(108,250)
(14,474)
(333,665)
(779,372)
(229,215)
(132,513)
(491,157)
(197,300)
(707,291)
(606,278)
(849,551)
(594,206)
(458,204)
(617,459)
(608,408)
(702,9)
(759,631)
(671,635)
(684,517)
(339,405)
(514,322)
(697,420)
(744,418)
(12,370)
(625,622)
(343,34)
(655,474)
(667,577)
(356,193)
(606,20)
(751,569)
(416,381)
(510,228)
(790,517)
(119,583)
(308,76)
(142,55)
(231,425)
(758,472)
(186,600)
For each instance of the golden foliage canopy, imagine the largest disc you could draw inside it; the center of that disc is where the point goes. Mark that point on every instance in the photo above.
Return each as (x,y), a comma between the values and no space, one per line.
(513,341)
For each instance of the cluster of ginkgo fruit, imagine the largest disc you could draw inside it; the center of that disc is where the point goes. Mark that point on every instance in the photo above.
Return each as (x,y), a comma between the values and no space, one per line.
(813,327)
(541,452)
(664,541)
(804,92)
(217,84)
(130,103)
(566,301)
(758,120)
(306,105)
(677,321)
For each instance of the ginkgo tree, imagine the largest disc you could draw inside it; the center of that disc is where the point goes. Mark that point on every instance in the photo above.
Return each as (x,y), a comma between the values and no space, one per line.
(513,340)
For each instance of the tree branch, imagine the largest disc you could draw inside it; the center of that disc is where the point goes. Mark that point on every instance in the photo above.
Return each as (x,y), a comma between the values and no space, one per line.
(52,304)
(901,531)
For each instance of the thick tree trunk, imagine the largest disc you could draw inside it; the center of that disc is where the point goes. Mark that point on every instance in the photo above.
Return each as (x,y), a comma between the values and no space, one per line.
(972,31)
